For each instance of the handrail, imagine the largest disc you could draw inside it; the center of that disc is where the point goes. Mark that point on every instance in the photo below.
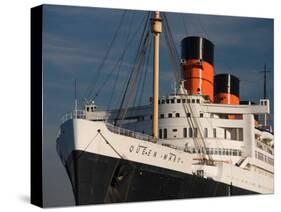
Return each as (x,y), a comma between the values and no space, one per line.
(126,132)
(75,114)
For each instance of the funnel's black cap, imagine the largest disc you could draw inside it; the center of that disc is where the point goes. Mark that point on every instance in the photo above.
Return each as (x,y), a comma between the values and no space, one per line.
(226,83)
(197,48)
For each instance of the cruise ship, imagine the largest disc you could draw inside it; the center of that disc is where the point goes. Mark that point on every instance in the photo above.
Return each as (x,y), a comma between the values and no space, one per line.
(200,140)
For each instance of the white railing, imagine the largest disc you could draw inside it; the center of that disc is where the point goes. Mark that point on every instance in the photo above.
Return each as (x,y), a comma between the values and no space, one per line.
(76,114)
(264,147)
(126,132)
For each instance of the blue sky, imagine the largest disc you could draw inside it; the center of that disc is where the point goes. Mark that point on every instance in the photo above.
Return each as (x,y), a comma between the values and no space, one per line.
(75,40)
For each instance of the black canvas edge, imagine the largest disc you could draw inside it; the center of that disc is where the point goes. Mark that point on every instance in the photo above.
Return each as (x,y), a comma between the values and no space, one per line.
(36,183)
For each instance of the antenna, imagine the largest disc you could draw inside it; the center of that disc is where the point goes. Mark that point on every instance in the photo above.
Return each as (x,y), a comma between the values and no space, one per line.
(75,96)
(264,92)
(264,80)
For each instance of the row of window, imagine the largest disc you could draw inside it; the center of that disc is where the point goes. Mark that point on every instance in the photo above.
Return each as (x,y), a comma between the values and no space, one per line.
(188,115)
(228,133)
(187,132)
(173,101)
(177,115)
(170,115)
(218,151)
(91,109)
(264,158)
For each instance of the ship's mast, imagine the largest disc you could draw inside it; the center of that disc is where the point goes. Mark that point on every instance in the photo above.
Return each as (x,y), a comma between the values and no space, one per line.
(264,93)
(264,81)
(156,28)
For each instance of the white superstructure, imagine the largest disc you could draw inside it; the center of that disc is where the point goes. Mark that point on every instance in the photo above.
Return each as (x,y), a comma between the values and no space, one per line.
(195,137)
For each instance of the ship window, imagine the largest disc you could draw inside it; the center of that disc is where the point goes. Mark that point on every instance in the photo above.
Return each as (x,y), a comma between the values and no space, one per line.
(162,101)
(197,100)
(92,109)
(170,115)
(178,101)
(158,101)
(175,130)
(206,132)
(160,133)
(214,132)
(177,115)
(190,132)
(227,151)
(183,101)
(162,116)
(240,134)
(151,117)
(172,101)
(188,100)
(188,115)
(193,100)
(167,101)
(165,133)
(87,109)
(215,151)
(195,133)
(184,132)
(201,115)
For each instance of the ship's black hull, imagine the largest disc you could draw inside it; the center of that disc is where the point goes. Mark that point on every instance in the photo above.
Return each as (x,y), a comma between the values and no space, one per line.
(100,179)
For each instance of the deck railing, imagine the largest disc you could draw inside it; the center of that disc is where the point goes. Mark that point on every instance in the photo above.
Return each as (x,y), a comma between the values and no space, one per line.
(75,114)
(126,132)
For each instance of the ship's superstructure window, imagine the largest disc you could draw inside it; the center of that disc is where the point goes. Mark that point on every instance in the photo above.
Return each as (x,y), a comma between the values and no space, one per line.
(214,132)
(185,132)
(197,100)
(193,100)
(160,133)
(188,115)
(206,132)
(264,158)
(195,134)
(188,100)
(172,101)
(165,133)
(233,134)
(92,109)
(190,132)
(162,116)
(218,151)
(178,101)
(201,115)
(167,101)
(87,109)
(163,101)
(170,115)
(183,101)
(175,130)
(177,115)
